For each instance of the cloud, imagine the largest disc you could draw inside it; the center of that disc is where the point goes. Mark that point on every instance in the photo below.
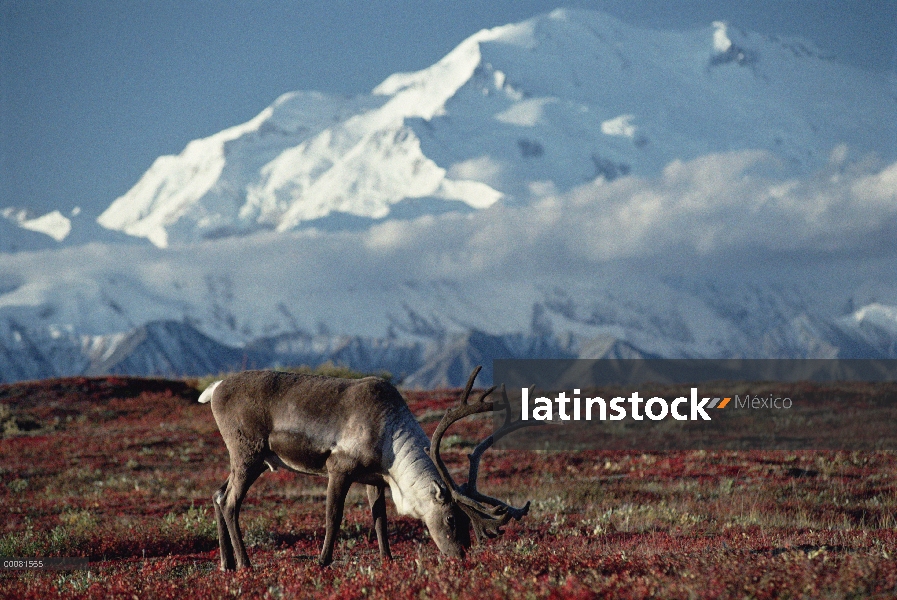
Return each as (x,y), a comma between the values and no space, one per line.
(713,206)
(739,208)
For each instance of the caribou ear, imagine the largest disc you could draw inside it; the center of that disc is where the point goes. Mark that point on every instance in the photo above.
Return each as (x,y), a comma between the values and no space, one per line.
(438,493)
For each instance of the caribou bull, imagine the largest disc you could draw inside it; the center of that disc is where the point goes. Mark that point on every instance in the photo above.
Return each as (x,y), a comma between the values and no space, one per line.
(350,430)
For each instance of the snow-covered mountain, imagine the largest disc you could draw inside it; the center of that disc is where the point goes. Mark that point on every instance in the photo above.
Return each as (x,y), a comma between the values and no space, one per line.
(513,113)
(568,186)
(171,348)
(20,230)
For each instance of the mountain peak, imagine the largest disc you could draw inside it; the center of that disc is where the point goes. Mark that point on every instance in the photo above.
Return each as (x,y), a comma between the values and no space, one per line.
(53,224)
(512,113)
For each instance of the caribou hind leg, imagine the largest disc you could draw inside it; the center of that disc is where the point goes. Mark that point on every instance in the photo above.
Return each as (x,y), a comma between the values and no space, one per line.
(377,500)
(226,549)
(228,501)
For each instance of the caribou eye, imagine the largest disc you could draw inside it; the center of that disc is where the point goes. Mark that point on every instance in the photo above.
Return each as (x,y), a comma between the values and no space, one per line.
(450,521)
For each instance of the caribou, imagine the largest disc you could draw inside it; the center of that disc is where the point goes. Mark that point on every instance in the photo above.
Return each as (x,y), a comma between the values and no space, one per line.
(351,431)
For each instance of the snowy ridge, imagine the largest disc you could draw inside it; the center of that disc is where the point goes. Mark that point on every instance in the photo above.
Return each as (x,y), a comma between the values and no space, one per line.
(177,349)
(17,226)
(511,114)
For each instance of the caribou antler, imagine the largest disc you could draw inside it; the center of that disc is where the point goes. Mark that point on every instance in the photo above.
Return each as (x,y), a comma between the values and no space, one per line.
(509,426)
(487,514)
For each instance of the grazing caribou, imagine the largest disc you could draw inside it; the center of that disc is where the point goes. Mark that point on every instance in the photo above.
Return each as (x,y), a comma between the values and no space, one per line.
(350,430)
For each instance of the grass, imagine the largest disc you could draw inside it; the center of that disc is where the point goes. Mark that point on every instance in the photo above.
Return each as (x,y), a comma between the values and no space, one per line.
(122,470)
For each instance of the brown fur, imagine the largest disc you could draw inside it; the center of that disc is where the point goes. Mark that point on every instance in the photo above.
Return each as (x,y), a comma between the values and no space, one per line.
(315,425)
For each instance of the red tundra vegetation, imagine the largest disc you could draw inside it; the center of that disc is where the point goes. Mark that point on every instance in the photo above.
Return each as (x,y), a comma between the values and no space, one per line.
(121,471)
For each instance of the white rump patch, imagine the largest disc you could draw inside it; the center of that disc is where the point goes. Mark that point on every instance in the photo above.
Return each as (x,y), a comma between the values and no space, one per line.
(206,396)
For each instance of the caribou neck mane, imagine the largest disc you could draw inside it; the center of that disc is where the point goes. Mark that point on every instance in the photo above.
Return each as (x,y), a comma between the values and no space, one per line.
(411,473)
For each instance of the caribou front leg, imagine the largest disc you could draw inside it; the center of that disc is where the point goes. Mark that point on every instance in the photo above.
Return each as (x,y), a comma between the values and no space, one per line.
(377,500)
(337,488)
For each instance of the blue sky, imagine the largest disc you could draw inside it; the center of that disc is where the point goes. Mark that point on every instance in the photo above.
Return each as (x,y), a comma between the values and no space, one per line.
(92,92)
